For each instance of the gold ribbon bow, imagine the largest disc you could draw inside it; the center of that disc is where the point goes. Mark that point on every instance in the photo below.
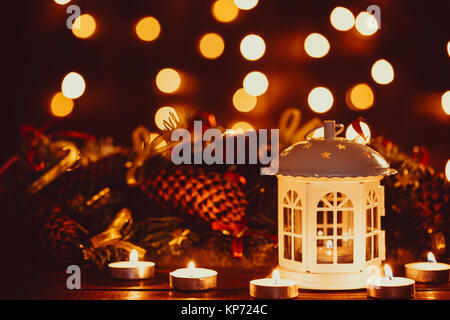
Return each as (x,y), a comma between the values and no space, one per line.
(112,236)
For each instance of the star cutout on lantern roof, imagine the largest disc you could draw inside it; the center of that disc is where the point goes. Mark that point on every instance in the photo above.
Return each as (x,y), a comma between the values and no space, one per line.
(341,146)
(307,146)
(326,155)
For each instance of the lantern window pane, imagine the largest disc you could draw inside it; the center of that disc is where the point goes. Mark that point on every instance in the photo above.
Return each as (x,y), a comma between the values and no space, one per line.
(339,231)
(329,231)
(320,231)
(329,217)
(339,217)
(347,222)
(325,251)
(345,251)
(287,247)
(368,220)
(375,217)
(298,249)
(322,204)
(319,217)
(375,246)
(287,219)
(297,221)
(368,248)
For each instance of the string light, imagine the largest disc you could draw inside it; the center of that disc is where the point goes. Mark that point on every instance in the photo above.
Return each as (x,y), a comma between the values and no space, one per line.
(246,4)
(382,72)
(366,24)
(242,126)
(342,19)
(360,97)
(255,83)
(320,99)
(62,2)
(168,80)
(224,10)
(351,133)
(148,29)
(446,102)
(61,106)
(84,26)
(252,47)
(244,102)
(164,115)
(211,45)
(316,45)
(73,85)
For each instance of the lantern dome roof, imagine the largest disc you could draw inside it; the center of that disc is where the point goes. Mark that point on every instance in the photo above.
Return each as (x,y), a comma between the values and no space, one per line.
(332,157)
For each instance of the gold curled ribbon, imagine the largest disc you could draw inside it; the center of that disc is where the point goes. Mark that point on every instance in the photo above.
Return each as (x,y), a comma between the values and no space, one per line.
(145,144)
(112,236)
(66,163)
(290,129)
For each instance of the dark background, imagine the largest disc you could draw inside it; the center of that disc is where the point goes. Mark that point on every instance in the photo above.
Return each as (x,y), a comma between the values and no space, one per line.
(119,69)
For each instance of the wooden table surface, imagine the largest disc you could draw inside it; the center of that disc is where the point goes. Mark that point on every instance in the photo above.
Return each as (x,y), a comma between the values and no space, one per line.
(232,285)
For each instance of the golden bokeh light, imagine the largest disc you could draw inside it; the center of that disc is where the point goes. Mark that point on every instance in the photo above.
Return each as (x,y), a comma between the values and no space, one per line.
(448,48)
(164,115)
(211,45)
(255,83)
(62,2)
(61,106)
(84,26)
(148,29)
(366,24)
(73,85)
(382,72)
(246,4)
(241,127)
(244,102)
(445,100)
(352,135)
(168,80)
(360,97)
(316,45)
(224,10)
(447,170)
(320,99)
(342,19)
(252,47)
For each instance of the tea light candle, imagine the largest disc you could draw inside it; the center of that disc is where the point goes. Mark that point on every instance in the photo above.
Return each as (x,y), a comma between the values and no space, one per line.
(428,272)
(193,279)
(273,288)
(390,287)
(132,269)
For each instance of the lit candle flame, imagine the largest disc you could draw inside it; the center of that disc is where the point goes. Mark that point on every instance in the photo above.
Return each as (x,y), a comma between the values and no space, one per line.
(134,256)
(329,245)
(431,257)
(276,276)
(388,272)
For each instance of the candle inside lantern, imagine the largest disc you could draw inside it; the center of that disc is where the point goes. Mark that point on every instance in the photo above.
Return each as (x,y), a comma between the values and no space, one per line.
(390,287)
(132,269)
(428,272)
(273,288)
(193,279)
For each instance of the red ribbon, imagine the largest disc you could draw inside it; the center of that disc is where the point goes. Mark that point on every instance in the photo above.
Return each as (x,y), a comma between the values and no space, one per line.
(356,124)
(32,136)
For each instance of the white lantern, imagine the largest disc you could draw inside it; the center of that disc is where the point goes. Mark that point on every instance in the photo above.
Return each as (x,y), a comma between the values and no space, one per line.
(329,206)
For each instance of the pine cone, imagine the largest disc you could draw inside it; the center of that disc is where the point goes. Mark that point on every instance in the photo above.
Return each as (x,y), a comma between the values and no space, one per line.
(194,191)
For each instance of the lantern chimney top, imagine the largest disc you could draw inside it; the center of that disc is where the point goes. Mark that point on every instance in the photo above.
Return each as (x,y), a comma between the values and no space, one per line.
(329,129)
